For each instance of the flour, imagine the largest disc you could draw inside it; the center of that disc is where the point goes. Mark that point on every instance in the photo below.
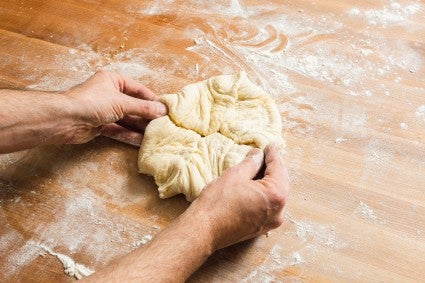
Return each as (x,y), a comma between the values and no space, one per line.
(21,257)
(198,40)
(8,239)
(420,112)
(71,268)
(103,236)
(138,63)
(156,7)
(366,211)
(144,240)
(197,69)
(273,262)
(76,66)
(354,12)
(378,155)
(318,62)
(324,235)
(404,126)
(128,69)
(395,13)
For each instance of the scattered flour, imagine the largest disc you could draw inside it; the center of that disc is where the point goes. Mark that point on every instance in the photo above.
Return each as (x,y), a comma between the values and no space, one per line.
(144,240)
(21,257)
(128,69)
(273,262)
(320,234)
(196,68)
(319,61)
(340,140)
(366,211)
(71,268)
(404,126)
(354,12)
(156,7)
(395,13)
(103,236)
(198,40)
(8,239)
(420,112)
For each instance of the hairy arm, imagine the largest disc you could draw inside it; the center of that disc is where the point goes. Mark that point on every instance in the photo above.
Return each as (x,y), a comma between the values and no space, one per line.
(107,104)
(231,209)
(172,256)
(29,119)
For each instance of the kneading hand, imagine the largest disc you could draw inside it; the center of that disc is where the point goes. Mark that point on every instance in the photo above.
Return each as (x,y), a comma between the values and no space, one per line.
(107,104)
(239,208)
(114,106)
(231,209)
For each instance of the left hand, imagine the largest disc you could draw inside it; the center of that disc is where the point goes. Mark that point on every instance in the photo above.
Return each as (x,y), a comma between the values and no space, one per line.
(114,106)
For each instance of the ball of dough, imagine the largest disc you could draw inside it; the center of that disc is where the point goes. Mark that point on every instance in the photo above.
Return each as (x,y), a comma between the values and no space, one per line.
(210,127)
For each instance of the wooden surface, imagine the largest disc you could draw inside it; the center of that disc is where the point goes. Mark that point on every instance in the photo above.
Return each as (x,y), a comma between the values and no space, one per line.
(349,82)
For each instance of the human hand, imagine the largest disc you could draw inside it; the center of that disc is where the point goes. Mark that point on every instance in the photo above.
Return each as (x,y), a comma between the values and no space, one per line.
(231,209)
(238,208)
(114,106)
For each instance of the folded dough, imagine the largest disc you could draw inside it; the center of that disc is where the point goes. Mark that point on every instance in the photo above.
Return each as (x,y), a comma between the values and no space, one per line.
(210,127)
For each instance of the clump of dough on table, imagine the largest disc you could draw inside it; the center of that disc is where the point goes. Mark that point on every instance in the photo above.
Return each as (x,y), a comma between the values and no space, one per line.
(210,127)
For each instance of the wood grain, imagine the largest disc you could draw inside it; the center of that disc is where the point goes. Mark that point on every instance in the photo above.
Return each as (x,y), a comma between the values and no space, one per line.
(348,81)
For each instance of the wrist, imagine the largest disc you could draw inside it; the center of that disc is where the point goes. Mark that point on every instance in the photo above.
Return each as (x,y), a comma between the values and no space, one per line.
(59,118)
(201,223)
(73,127)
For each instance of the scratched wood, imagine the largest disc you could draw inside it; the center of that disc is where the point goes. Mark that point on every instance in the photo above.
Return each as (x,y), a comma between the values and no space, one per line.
(348,81)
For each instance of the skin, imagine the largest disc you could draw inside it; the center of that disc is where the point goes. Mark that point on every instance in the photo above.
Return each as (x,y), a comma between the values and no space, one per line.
(107,104)
(233,208)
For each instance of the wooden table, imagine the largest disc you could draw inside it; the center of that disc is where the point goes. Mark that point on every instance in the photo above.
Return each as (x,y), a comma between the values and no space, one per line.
(349,83)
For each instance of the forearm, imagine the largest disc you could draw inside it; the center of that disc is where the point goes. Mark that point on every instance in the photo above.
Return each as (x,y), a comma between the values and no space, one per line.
(29,119)
(172,256)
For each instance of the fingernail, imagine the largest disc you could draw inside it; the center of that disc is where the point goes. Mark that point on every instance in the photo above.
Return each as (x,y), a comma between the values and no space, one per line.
(272,144)
(257,155)
(161,109)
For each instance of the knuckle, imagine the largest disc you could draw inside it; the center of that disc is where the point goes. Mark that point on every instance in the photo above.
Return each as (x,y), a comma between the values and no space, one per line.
(277,221)
(279,189)
(277,198)
(231,172)
(150,108)
(146,107)
(279,201)
(101,73)
(248,162)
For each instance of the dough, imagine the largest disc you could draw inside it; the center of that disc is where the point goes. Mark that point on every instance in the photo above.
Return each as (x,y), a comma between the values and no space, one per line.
(210,127)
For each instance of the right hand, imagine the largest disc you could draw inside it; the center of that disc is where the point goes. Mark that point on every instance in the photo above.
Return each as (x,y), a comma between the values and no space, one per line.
(237,207)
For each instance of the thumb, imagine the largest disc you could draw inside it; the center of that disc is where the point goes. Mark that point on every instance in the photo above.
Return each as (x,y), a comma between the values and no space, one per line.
(144,108)
(250,166)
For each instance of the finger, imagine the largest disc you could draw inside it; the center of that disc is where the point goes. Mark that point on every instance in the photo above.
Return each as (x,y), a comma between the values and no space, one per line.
(134,123)
(144,108)
(275,168)
(137,90)
(122,134)
(250,166)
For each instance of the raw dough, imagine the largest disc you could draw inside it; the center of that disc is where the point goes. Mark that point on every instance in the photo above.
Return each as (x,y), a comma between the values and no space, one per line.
(211,126)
